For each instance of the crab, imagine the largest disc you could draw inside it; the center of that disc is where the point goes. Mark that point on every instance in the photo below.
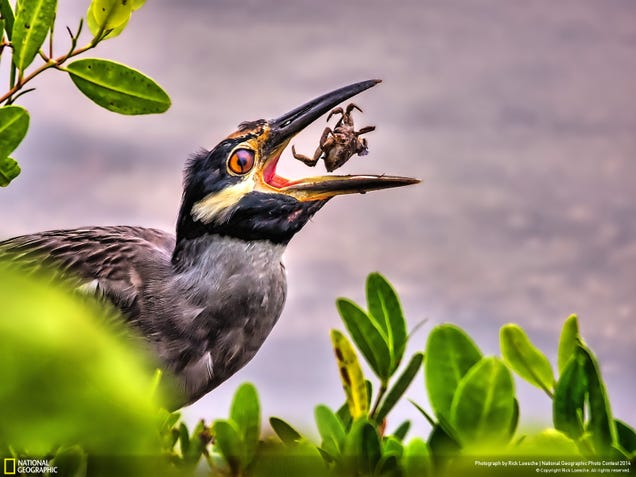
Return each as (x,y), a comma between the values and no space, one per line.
(339,144)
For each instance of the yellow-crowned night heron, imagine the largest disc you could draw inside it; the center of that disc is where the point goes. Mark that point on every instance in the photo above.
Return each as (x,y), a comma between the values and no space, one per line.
(206,299)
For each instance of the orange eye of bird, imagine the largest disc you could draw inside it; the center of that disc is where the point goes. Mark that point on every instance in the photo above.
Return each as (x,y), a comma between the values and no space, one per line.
(241,161)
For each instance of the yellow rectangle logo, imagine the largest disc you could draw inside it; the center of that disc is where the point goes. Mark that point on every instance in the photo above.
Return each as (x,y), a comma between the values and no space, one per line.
(9,466)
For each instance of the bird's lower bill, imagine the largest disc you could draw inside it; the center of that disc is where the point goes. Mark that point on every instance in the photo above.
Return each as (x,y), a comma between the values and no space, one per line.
(327,186)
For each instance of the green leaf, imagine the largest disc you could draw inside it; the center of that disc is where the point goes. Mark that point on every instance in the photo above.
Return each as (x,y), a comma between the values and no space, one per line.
(169,434)
(367,337)
(91,21)
(388,466)
(99,24)
(402,430)
(351,375)
(7,14)
(386,312)
(362,448)
(330,427)
(9,170)
(626,436)
(169,419)
(96,28)
(108,14)
(450,353)
(525,359)
(443,447)
(514,422)
(568,341)
(117,87)
(483,405)
(569,398)
(287,434)
(170,439)
(246,414)
(400,386)
(600,424)
(329,454)
(199,439)
(184,438)
(14,124)
(369,385)
(392,451)
(619,453)
(548,442)
(227,439)
(392,446)
(32,23)
(345,416)
(92,380)
(417,459)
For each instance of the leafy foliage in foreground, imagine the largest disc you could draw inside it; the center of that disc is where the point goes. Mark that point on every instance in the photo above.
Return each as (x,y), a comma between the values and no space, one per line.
(70,378)
(116,87)
(474,413)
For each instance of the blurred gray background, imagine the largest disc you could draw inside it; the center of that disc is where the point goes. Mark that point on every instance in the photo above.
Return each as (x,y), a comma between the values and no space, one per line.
(518,116)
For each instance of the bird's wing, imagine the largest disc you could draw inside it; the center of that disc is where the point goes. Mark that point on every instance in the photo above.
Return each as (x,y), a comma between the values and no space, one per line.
(104,261)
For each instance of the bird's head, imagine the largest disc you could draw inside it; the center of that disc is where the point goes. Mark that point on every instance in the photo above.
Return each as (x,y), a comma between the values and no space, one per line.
(234,190)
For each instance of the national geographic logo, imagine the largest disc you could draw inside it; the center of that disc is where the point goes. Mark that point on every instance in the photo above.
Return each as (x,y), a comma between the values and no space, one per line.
(9,466)
(13,466)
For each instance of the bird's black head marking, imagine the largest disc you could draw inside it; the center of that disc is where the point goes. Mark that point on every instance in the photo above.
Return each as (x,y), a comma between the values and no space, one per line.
(234,189)
(217,200)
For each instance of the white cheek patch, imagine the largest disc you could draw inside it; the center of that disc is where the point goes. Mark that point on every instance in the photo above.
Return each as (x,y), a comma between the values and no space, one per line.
(218,207)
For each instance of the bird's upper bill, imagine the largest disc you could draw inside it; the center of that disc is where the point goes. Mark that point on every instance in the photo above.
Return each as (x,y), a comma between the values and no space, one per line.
(274,135)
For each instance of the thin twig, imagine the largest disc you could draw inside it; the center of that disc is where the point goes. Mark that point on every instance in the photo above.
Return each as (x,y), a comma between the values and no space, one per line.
(24,91)
(51,63)
(74,36)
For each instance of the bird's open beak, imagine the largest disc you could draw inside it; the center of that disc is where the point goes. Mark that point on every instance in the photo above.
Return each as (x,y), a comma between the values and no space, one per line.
(284,128)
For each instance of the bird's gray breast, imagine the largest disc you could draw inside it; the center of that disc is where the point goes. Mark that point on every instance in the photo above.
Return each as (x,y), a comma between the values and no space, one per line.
(227,294)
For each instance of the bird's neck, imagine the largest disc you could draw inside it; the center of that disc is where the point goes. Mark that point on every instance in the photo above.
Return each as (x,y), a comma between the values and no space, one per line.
(229,293)
(211,251)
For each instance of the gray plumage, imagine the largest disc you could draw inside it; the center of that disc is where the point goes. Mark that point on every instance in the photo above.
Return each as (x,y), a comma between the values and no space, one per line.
(204,312)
